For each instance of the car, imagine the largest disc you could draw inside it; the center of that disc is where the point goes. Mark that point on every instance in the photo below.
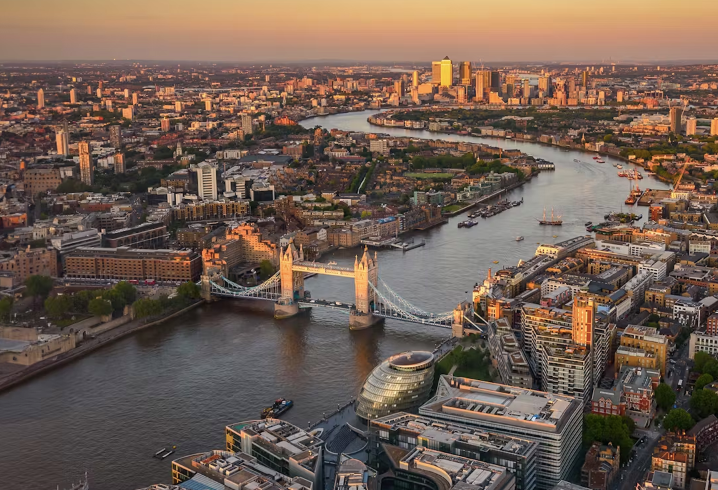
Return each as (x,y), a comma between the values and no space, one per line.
(672,361)
(313,301)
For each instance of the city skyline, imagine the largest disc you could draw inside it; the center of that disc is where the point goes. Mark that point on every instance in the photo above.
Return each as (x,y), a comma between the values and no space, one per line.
(609,31)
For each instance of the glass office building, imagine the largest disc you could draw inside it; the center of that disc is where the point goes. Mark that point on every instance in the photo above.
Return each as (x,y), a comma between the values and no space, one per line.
(399,384)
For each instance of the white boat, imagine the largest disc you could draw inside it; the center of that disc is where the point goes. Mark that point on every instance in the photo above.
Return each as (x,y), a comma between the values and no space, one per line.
(619,166)
(519,238)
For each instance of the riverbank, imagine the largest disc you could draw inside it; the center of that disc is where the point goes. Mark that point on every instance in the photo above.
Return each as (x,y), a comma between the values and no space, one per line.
(488,197)
(87,347)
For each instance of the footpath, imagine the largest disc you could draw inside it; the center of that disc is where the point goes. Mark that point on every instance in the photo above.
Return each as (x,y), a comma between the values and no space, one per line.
(9,380)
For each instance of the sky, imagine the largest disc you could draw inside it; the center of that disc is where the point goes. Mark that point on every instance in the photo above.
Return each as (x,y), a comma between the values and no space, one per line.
(361,30)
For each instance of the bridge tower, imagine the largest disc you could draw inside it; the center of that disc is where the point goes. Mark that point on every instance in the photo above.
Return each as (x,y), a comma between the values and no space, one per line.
(457,326)
(366,271)
(292,282)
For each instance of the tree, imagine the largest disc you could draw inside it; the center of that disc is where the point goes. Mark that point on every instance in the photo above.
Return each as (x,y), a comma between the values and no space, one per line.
(628,421)
(100,307)
(188,290)
(147,307)
(703,379)
(611,428)
(127,291)
(116,299)
(81,299)
(5,307)
(678,419)
(38,286)
(58,306)
(700,359)
(705,402)
(266,270)
(665,396)
(711,367)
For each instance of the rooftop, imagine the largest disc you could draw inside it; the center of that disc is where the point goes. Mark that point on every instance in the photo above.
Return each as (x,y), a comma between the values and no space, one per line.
(482,400)
(450,433)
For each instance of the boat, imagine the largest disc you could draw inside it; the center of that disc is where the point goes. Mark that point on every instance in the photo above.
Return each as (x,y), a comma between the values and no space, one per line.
(496,261)
(596,158)
(519,238)
(630,200)
(618,165)
(577,160)
(279,406)
(470,223)
(555,236)
(588,223)
(600,161)
(554,221)
(160,451)
(83,484)
(167,454)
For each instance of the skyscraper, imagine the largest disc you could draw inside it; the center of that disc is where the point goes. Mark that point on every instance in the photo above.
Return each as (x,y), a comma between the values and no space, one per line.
(399,87)
(165,125)
(436,72)
(584,79)
(415,79)
(675,116)
(119,163)
(544,85)
(447,73)
(495,80)
(691,125)
(465,72)
(40,99)
(87,167)
(483,83)
(714,127)
(134,98)
(116,136)
(62,143)
(73,96)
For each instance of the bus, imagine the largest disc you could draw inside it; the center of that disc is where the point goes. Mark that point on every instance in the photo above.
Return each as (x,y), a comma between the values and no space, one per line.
(680,384)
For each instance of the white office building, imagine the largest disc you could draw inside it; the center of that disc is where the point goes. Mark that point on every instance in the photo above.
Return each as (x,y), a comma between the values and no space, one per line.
(206,181)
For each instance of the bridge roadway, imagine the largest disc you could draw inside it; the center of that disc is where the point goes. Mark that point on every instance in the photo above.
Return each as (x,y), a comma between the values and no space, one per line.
(320,268)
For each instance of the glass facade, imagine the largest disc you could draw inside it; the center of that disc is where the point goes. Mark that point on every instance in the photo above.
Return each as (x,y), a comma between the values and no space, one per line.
(399,384)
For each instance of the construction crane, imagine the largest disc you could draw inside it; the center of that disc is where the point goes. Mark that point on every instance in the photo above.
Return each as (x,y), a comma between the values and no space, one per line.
(680,176)
(675,194)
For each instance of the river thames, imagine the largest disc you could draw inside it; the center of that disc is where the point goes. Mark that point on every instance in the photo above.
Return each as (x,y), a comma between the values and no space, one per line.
(180,383)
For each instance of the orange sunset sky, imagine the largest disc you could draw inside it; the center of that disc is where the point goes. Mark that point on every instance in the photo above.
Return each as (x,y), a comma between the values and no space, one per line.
(381,30)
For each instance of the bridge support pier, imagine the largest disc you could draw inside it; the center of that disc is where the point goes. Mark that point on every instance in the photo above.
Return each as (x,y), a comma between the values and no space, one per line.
(205,288)
(457,326)
(285,309)
(360,321)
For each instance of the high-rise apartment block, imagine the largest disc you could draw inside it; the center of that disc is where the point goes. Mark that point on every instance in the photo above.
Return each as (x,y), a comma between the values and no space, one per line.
(675,119)
(40,99)
(415,79)
(165,125)
(73,96)
(116,136)
(691,126)
(119,163)
(62,143)
(246,124)
(714,127)
(206,175)
(87,167)
(584,318)
(436,72)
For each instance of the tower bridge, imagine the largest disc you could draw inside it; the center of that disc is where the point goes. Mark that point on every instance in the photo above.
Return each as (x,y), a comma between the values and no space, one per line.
(374,300)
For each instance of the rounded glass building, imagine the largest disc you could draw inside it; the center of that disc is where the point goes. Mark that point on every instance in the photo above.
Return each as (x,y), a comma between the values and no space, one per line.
(399,384)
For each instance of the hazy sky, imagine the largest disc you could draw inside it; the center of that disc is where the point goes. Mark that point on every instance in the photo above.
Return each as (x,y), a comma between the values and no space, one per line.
(382,30)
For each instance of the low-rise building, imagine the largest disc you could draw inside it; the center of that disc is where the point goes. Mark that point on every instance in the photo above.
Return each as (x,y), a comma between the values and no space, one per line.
(701,342)
(408,431)
(601,466)
(20,264)
(280,446)
(129,264)
(25,346)
(675,454)
(231,470)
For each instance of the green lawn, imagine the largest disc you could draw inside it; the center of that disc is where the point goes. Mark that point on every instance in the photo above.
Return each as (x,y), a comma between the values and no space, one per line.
(453,207)
(472,363)
(417,175)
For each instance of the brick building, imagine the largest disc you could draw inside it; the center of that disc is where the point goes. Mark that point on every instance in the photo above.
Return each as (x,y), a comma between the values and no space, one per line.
(146,235)
(127,264)
(27,262)
(37,180)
